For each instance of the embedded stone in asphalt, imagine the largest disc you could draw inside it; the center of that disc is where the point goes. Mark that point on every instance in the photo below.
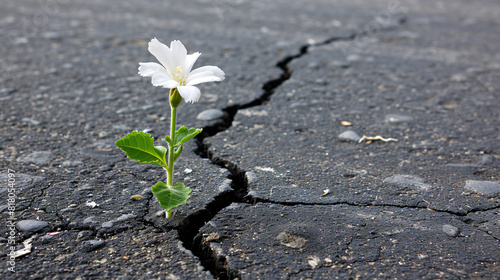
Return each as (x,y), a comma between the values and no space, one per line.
(91,245)
(407,181)
(122,218)
(125,217)
(38,158)
(450,230)
(291,240)
(483,187)
(31,226)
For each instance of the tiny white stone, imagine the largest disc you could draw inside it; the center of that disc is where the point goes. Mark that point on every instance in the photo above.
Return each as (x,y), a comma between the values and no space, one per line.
(91,204)
(188,170)
(267,169)
(313,261)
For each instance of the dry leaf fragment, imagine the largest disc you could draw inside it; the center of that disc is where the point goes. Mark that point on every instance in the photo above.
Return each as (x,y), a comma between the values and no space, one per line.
(24,251)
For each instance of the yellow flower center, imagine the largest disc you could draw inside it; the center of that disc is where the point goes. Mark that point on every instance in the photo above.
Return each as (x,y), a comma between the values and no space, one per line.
(177,76)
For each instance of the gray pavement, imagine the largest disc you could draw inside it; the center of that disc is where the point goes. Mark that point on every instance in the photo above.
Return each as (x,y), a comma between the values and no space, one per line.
(282,186)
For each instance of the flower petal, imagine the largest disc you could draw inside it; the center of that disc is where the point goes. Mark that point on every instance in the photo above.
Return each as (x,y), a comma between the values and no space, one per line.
(179,54)
(190,60)
(203,77)
(163,80)
(216,71)
(163,54)
(189,93)
(149,69)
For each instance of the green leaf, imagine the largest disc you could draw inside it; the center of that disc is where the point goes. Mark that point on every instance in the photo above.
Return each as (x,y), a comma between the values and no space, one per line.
(183,135)
(171,197)
(139,146)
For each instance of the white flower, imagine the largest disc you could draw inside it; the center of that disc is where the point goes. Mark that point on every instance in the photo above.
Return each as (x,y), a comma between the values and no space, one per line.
(175,69)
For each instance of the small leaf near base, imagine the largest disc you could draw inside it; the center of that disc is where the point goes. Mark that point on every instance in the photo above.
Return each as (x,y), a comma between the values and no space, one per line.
(171,197)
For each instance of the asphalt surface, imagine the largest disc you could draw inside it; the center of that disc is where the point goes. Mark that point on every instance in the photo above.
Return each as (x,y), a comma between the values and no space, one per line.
(350,140)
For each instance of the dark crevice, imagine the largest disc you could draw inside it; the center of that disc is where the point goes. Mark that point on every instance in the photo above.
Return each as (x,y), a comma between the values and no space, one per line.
(189,229)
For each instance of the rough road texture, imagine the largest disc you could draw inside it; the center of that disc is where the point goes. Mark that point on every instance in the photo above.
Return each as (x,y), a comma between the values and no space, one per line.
(282,187)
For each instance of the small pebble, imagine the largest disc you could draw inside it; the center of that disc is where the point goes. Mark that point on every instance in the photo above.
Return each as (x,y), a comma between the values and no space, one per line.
(91,204)
(349,135)
(210,114)
(89,220)
(291,240)
(91,245)
(108,224)
(450,230)
(125,217)
(31,225)
(483,187)
(136,197)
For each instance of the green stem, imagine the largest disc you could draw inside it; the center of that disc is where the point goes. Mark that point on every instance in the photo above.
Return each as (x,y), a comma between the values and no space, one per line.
(170,168)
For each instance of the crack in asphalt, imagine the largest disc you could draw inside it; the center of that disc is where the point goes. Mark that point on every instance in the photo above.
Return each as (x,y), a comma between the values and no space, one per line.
(459,214)
(190,227)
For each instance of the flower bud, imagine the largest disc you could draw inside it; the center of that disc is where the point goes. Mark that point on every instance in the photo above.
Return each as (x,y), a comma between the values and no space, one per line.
(175,98)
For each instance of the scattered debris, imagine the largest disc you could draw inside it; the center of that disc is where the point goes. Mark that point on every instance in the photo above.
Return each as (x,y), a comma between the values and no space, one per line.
(214,236)
(369,139)
(325,192)
(267,169)
(136,197)
(313,261)
(91,204)
(26,250)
